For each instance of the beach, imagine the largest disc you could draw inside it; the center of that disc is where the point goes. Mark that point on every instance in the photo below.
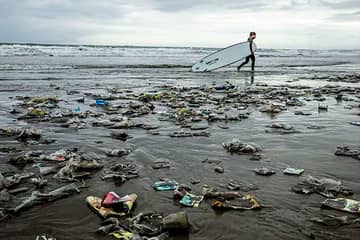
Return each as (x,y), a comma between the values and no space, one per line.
(174,116)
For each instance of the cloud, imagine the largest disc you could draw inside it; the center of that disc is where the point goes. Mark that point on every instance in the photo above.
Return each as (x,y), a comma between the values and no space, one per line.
(341,4)
(351,17)
(65,9)
(279,24)
(213,5)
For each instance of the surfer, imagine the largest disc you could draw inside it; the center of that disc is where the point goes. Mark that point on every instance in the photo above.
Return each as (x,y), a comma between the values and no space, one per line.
(251,38)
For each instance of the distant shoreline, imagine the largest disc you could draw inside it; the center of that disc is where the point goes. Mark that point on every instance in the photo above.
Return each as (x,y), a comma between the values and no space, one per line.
(150,47)
(101,45)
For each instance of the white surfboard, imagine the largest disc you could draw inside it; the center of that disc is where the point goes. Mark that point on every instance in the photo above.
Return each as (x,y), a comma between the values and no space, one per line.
(224,57)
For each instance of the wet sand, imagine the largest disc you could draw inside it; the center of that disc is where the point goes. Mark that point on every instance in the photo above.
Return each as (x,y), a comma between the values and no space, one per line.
(287,215)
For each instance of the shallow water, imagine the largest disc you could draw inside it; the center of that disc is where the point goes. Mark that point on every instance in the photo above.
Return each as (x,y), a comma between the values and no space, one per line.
(28,70)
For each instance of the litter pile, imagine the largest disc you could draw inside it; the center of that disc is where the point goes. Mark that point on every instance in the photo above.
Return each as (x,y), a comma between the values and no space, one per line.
(187,112)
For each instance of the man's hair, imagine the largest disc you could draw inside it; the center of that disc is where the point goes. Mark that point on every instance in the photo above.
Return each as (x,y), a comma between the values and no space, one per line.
(252,33)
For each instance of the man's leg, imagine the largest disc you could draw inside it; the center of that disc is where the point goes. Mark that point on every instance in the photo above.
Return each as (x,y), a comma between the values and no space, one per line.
(252,62)
(245,62)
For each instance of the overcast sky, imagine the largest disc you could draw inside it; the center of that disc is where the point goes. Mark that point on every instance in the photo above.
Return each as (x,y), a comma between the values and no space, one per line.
(213,23)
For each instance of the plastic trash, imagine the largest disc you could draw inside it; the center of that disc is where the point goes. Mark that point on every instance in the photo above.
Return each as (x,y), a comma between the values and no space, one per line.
(263,171)
(194,181)
(293,171)
(223,126)
(115,202)
(280,126)
(146,224)
(219,169)
(298,112)
(175,221)
(348,151)
(11,181)
(233,186)
(108,225)
(118,152)
(224,87)
(59,155)
(121,135)
(44,237)
(36,112)
(326,187)
(334,220)
(209,192)
(4,195)
(77,109)
(14,110)
(100,102)
(49,105)
(81,100)
(44,170)
(181,191)
(37,198)
(160,165)
(355,123)
(191,200)
(39,182)
(112,227)
(236,146)
(122,234)
(37,100)
(165,185)
(273,109)
(96,204)
(343,204)
(294,102)
(322,107)
(247,202)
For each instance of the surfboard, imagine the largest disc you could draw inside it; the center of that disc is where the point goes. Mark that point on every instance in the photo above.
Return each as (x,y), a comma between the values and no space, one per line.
(224,57)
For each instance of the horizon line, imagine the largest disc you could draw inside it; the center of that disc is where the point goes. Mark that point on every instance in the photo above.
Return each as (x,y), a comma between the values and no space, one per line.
(150,46)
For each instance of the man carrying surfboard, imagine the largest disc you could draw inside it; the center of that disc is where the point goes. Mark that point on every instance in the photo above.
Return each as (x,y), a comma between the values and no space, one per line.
(227,56)
(251,38)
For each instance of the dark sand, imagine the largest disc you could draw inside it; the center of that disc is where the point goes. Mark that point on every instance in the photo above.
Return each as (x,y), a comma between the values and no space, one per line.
(288,214)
